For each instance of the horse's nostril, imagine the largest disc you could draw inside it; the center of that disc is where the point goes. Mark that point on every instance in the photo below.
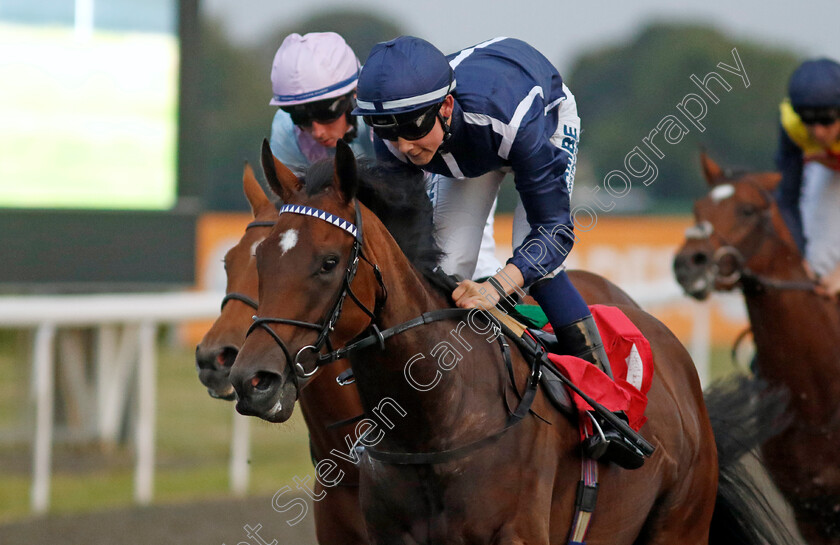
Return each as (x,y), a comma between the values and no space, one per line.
(700,259)
(226,357)
(262,381)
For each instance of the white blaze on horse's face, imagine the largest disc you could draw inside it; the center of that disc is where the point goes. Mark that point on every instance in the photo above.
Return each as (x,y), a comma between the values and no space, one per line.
(288,240)
(254,247)
(722,192)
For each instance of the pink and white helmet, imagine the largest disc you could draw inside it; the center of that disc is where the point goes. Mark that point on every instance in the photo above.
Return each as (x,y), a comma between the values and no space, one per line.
(312,67)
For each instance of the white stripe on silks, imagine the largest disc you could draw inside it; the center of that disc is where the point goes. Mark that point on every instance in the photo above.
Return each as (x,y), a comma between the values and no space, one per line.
(506,130)
(419,99)
(518,116)
(553,105)
(467,52)
(453,165)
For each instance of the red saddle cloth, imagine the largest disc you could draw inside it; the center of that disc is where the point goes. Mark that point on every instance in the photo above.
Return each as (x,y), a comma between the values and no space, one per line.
(631,360)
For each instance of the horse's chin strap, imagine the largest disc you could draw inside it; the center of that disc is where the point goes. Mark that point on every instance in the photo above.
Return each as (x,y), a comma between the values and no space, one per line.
(328,325)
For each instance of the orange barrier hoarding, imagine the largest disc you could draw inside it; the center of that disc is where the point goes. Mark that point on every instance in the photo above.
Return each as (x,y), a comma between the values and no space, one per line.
(630,251)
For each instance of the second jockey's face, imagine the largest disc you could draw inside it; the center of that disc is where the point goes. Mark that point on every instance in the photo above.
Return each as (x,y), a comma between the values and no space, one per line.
(421,151)
(825,135)
(327,134)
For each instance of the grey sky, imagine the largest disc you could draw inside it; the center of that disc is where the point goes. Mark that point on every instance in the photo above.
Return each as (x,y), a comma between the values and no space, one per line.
(561,30)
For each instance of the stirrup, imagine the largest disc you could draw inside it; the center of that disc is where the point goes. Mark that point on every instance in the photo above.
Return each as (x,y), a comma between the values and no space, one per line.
(610,446)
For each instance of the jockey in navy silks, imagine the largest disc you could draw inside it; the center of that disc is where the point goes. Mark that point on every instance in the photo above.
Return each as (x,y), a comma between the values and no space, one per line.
(313,79)
(470,118)
(809,160)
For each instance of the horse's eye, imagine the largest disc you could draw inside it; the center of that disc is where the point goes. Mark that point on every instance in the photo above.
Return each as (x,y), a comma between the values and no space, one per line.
(329,264)
(747,210)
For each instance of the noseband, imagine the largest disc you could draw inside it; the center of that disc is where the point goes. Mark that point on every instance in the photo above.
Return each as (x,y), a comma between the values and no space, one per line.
(704,231)
(332,316)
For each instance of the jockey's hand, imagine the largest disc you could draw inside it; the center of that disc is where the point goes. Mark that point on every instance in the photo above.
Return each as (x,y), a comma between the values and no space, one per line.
(471,294)
(830,284)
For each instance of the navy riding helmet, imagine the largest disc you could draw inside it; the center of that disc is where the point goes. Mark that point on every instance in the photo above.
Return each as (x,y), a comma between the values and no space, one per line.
(403,75)
(815,84)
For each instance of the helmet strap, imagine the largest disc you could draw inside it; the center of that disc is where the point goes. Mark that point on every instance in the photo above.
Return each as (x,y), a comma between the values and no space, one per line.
(447,133)
(353,132)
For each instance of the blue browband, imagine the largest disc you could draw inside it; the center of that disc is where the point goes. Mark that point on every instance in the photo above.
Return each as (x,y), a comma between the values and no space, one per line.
(322,215)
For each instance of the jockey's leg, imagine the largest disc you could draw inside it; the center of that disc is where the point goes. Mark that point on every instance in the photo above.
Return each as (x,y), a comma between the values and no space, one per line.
(576,331)
(461,211)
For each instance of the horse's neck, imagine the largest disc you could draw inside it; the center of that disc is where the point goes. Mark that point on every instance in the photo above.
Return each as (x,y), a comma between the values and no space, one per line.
(440,402)
(796,334)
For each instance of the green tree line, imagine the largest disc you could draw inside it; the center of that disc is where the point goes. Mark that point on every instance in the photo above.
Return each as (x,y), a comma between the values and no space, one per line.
(623,92)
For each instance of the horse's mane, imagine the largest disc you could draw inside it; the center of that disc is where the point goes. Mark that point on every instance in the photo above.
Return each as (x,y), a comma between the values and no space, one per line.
(400,202)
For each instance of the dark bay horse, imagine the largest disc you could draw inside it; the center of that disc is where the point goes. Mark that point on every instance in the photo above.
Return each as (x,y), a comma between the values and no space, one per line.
(338,517)
(519,487)
(741,242)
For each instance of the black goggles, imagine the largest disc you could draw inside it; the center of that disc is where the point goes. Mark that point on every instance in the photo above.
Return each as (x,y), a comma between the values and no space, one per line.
(322,111)
(818,116)
(408,126)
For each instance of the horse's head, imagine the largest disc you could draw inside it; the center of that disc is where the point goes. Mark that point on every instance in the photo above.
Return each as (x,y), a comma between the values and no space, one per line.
(738,232)
(308,265)
(217,351)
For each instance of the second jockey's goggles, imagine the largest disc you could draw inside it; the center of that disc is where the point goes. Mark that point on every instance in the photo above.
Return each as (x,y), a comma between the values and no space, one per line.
(320,111)
(408,126)
(819,116)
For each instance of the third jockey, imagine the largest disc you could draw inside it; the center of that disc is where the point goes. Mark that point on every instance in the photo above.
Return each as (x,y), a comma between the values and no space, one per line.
(809,160)
(470,118)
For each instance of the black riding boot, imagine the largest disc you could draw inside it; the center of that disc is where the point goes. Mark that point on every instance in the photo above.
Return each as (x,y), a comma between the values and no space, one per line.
(607,444)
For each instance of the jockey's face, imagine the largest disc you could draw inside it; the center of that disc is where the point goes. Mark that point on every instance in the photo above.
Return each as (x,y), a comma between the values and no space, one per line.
(421,151)
(826,135)
(327,134)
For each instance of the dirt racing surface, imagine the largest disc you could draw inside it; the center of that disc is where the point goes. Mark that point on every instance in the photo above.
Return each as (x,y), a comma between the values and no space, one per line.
(210,523)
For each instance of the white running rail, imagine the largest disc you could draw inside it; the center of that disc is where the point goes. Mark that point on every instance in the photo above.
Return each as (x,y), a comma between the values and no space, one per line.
(126,327)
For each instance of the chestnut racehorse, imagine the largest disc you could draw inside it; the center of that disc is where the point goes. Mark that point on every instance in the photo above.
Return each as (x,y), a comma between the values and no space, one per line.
(330,270)
(337,517)
(741,242)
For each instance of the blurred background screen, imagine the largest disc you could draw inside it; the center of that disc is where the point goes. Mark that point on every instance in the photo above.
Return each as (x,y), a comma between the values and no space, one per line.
(90,193)
(86,124)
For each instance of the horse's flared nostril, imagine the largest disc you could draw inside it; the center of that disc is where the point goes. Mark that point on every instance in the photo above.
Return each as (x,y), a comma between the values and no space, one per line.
(700,259)
(264,380)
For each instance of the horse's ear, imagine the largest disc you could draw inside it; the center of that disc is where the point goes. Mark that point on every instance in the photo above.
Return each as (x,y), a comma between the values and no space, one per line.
(711,170)
(253,192)
(280,179)
(345,177)
(770,181)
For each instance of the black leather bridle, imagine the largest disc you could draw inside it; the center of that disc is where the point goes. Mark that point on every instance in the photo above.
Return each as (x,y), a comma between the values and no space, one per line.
(328,324)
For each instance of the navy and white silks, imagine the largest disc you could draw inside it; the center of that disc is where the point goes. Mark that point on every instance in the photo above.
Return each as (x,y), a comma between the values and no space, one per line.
(512,113)
(297,150)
